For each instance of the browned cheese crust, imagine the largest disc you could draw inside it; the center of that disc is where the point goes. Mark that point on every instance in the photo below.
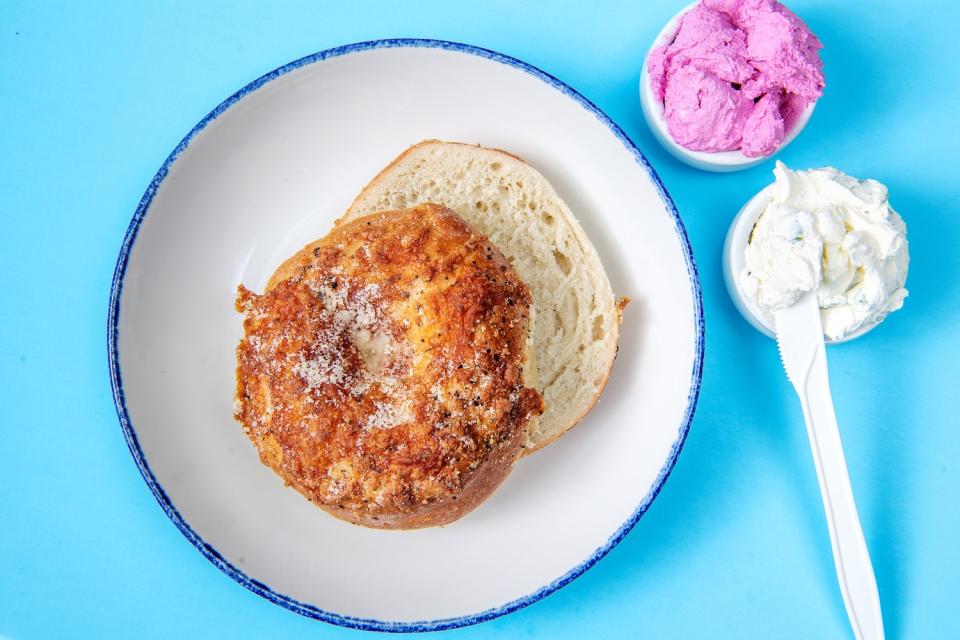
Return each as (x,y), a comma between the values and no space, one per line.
(381,373)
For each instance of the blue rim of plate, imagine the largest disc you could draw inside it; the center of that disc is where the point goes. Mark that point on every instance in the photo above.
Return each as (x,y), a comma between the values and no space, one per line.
(263,590)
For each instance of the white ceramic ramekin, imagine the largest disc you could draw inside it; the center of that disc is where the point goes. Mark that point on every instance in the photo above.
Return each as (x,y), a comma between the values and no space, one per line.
(733,263)
(720,161)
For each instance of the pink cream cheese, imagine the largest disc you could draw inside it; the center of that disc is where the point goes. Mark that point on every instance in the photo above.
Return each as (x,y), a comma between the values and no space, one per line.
(737,75)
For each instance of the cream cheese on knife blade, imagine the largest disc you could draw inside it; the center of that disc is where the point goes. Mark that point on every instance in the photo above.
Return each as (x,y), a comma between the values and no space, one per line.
(826,231)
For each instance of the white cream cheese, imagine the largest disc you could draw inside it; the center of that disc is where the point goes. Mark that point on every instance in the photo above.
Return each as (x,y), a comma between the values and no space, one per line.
(826,231)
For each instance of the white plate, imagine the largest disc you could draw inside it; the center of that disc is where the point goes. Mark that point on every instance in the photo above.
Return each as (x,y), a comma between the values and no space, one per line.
(269,170)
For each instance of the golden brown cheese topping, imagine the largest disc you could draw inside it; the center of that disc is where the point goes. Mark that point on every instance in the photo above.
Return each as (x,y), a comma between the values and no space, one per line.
(383,368)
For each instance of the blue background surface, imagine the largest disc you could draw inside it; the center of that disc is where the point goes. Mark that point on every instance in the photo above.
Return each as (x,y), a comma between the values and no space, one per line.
(93,98)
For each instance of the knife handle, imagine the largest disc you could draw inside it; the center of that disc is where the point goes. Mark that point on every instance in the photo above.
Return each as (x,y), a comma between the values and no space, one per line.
(851,558)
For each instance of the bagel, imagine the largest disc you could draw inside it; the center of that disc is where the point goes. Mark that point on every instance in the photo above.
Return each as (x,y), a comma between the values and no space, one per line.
(384,372)
(578,317)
